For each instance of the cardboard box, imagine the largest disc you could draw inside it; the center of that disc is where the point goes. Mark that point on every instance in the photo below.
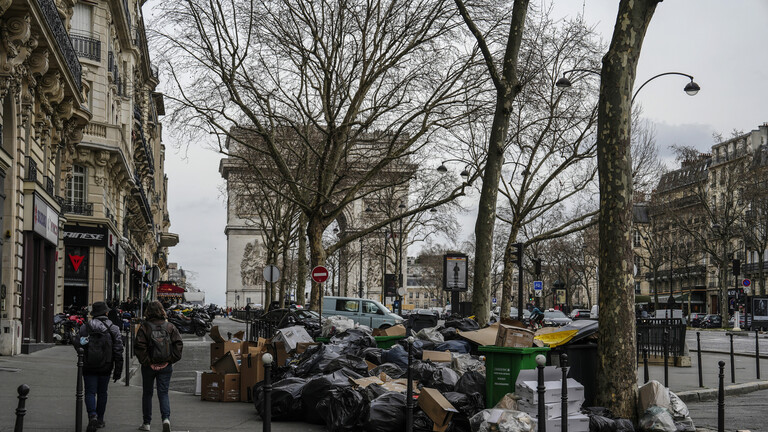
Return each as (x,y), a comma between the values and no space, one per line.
(436,356)
(291,337)
(280,353)
(437,408)
(228,364)
(215,335)
(551,410)
(220,349)
(251,373)
(397,330)
(514,337)
(250,346)
(576,423)
(302,347)
(527,382)
(486,336)
(220,387)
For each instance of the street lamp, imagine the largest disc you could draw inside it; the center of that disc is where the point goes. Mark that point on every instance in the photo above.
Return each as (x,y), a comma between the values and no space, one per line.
(401,207)
(360,284)
(691,89)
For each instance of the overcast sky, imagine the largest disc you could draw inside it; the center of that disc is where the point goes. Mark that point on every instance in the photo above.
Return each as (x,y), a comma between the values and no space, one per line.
(721,43)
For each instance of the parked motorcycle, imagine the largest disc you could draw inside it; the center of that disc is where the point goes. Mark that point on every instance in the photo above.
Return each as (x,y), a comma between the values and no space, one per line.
(191,325)
(66,325)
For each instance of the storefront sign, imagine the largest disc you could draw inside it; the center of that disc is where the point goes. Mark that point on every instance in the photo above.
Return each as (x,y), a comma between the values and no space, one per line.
(120,259)
(111,243)
(86,236)
(45,221)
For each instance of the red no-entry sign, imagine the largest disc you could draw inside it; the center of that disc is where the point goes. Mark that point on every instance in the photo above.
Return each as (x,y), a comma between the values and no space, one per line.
(319,274)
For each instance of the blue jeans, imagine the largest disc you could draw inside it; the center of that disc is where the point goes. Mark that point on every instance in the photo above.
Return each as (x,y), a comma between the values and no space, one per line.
(148,378)
(96,385)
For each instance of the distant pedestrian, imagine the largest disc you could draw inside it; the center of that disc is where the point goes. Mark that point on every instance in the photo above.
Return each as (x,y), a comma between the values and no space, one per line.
(103,356)
(158,346)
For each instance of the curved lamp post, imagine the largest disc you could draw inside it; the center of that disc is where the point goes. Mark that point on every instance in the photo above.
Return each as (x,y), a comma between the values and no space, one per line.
(691,89)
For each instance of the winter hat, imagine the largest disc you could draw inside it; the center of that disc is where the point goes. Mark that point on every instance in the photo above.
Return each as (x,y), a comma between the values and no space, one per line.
(99,309)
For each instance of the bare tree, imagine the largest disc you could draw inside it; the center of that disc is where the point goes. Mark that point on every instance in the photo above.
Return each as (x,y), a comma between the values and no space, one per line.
(755,220)
(617,372)
(335,96)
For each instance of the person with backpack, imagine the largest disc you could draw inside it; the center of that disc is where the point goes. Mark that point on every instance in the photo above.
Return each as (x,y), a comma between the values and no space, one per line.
(158,346)
(103,356)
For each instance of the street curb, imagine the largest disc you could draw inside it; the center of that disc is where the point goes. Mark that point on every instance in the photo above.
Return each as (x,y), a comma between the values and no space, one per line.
(731,390)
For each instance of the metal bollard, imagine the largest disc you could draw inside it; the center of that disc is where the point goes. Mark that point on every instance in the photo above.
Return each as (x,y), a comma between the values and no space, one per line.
(267,359)
(127,349)
(721,398)
(541,418)
(409,392)
(645,365)
(23,391)
(564,397)
(79,392)
(666,358)
(698,353)
(229,335)
(757,354)
(733,363)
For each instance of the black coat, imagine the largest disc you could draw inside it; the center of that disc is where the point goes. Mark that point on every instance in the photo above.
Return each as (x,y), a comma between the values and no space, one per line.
(101,323)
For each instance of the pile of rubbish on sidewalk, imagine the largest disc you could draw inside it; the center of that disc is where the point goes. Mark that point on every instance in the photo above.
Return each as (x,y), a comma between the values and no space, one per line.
(356,379)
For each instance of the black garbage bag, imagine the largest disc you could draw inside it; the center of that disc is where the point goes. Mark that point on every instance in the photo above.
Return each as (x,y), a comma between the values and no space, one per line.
(418,347)
(373,355)
(441,378)
(372,391)
(354,341)
(346,361)
(471,382)
(386,413)
(392,370)
(449,333)
(624,425)
(286,398)
(343,410)
(457,346)
(463,324)
(468,405)
(396,355)
(600,411)
(317,389)
(422,422)
(318,359)
(599,423)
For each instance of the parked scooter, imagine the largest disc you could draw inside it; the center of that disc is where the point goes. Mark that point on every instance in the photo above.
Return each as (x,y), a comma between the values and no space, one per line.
(192,325)
(66,325)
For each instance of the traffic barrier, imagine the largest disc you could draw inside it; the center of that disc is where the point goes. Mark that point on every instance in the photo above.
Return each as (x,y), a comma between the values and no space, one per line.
(651,336)
(721,398)
(23,391)
(267,418)
(79,392)
(564,397)
(698,353)
(542,416)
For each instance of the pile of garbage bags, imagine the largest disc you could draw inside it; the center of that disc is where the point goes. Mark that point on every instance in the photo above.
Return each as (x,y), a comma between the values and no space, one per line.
(660,410)
(349,384)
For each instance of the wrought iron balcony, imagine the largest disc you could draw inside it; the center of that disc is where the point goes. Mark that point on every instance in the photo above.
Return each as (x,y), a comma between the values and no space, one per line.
(49,185)
(86,45)
(76,207)
(53,19)
(127,14)
(31,174)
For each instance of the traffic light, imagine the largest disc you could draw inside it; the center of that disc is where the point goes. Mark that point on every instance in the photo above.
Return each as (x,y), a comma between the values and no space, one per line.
(736,267)
(518,258)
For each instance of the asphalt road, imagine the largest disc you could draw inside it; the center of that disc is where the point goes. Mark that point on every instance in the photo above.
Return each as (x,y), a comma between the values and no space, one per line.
(718,340)
(743,412)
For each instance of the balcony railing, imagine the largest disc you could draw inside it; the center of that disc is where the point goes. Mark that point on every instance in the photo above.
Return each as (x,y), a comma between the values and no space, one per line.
(76,207)
(53,19)
(127,14)
(49,185)
(86,45)
(31,174)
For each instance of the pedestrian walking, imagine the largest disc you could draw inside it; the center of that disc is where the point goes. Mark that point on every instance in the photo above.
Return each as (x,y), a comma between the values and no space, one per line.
(158,346)
(103,356)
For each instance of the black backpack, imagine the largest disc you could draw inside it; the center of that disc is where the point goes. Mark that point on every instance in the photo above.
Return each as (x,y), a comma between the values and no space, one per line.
(160,343)
(98,352)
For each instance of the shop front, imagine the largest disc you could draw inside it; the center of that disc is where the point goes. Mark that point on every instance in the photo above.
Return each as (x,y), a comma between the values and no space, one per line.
(90,265)
(41,236)
(168,293)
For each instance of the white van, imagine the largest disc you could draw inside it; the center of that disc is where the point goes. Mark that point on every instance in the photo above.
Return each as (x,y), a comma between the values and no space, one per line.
(363,311)
(593,312)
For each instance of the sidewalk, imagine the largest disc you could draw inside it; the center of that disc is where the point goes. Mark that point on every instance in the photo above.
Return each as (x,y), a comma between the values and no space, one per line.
(51,375)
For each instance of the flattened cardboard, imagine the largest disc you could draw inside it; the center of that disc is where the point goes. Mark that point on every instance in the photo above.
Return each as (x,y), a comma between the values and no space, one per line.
(238,335)
(436,356)
(365,382)
(396,330)
(281,354)
(228,364)
(486,336)
(371,366)
(215,335)
(514,337)
(437,407)
(577,422)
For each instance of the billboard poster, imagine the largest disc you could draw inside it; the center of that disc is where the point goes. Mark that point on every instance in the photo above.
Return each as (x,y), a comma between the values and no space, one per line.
(455,272)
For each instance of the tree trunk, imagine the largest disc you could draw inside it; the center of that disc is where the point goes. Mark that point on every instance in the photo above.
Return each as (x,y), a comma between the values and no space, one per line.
(284,279)
(617,368)
(655,289)
(723,282)
(315,230)
(301,268)
(507,88)
(761,271)
(506,278)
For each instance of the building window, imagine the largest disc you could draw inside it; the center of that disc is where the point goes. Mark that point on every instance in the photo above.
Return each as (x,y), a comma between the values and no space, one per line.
(410,295)
(636,238)
(417,294)
(637,287)
(82,19)
(76,185)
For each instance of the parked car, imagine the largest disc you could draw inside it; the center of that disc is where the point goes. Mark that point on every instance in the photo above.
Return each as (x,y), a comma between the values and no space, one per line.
(555,318)
(712,321)
(579,314)
(363,311)
(695,318)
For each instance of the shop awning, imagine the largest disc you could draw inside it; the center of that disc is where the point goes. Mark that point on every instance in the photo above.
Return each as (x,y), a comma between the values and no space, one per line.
(169,288)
